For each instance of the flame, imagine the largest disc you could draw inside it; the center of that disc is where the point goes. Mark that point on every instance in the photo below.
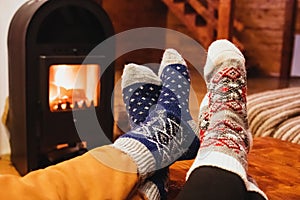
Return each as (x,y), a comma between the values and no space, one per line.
(73,86)
(63,78)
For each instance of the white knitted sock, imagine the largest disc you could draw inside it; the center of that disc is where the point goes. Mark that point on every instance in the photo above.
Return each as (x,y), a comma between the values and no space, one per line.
(226,142)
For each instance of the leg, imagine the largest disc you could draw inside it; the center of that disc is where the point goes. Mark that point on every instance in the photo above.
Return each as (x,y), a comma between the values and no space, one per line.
(102,173)
(113,172)
(226,142)
(168,131)
(144,92)
(215,183)
(141,88)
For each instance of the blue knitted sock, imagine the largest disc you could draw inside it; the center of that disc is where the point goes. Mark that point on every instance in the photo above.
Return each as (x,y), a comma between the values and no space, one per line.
(140,90)
(175,77)
(168,131)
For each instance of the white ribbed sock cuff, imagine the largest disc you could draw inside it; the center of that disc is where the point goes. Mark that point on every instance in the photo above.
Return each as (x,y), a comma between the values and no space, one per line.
(220,160)
(226,162)
(150,190)
(251,187)
(141,155)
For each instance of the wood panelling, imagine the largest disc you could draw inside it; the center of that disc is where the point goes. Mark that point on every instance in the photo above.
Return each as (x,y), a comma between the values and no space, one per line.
(263,30)
(288,38)
(298,18)
(127,15)
(263,33)
(207,20)
(130,14)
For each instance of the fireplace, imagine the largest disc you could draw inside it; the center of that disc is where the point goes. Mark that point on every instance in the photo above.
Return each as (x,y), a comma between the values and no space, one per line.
(50,79)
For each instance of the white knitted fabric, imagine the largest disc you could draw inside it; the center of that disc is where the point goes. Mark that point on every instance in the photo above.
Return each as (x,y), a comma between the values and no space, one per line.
(226,150)
(170,56)
(219,51)
(134,73)
(150,190)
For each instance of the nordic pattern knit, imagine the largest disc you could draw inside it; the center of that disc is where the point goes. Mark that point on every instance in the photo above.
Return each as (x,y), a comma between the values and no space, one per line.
(141,88)
(166,134)
(226,142)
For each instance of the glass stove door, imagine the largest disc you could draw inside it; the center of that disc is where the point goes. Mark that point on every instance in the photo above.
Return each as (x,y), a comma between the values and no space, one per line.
(73,86)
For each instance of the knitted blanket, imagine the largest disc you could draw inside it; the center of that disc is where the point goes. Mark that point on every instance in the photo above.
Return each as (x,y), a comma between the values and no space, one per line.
(275,113)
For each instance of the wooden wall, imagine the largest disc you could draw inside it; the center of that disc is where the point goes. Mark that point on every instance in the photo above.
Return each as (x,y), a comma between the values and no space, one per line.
(298,18)
(130,14)
(263,33)
(126,15)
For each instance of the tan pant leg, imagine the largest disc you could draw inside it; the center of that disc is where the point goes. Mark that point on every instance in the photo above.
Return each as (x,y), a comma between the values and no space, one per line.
(102,173)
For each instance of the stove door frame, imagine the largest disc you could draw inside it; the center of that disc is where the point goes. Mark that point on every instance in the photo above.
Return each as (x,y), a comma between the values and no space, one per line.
(58,128)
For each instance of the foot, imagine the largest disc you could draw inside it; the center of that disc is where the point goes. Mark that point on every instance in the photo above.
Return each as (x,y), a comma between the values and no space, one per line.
(166,133)
(226,142)
(140,90)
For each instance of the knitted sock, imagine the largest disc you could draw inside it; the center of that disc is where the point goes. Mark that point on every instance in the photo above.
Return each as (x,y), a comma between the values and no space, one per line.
(177,71)
(156,187)
(167,132)
(203,117)
(226,142)
(140,90)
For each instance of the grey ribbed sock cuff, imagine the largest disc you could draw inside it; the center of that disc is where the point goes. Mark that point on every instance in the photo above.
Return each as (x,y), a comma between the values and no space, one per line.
(141,155)
(150,190)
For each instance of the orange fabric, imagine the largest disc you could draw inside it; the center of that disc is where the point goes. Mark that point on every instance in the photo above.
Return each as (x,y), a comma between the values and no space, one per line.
(102,173)
(138,196)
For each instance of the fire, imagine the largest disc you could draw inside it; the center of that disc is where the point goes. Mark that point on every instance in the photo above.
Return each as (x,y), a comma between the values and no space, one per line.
(73,86)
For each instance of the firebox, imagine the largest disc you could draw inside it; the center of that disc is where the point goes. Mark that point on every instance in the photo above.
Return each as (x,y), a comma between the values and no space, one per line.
(50,79)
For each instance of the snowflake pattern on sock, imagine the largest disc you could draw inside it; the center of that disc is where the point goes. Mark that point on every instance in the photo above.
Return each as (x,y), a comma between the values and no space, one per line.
(139,99)
(165,132)
(177,82)
(175,95)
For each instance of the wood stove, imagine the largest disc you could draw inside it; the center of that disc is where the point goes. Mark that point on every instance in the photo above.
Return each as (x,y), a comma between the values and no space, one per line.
(48,42)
